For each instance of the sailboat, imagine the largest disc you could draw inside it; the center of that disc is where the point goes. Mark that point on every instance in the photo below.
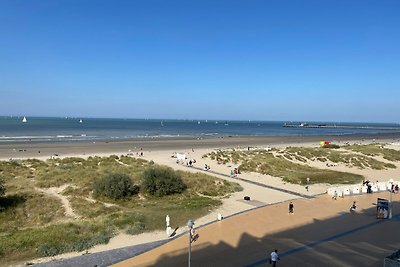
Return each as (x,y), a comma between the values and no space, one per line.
(198,122)
(24,119)
(80,121)
(162,123)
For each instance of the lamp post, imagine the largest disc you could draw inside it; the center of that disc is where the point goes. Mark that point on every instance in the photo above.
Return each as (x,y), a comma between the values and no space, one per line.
(190,225)
(391,191)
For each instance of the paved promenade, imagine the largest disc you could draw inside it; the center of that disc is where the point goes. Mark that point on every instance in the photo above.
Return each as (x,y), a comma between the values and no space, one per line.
(321,232)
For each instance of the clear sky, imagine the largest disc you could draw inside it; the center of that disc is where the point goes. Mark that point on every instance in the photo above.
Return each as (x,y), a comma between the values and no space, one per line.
(321,60)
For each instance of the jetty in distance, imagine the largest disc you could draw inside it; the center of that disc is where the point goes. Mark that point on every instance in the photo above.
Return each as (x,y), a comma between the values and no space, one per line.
(306,125)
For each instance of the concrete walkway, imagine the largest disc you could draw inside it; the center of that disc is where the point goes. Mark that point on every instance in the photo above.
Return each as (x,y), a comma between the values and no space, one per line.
(321,232)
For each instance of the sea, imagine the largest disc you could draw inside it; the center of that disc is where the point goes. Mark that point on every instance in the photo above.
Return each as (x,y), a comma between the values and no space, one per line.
(13,129)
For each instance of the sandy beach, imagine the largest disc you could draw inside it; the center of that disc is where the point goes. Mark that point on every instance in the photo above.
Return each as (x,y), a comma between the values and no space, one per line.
(41,150)
(160,152)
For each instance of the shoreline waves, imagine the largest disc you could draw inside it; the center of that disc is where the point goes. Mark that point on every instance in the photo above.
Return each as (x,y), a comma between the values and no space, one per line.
(40,129)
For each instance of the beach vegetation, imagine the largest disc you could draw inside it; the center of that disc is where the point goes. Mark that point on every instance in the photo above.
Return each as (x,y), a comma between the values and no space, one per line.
(332,146)
(115,186)
(34,222)
(51,240)
(209,186)
(282,165)
(2,187)
(162,181)
(132,223)
(29,209)
(303,154)
(89,208)
(376,149)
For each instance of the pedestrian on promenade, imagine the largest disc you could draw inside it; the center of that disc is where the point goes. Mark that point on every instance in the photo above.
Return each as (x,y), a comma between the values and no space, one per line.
(291,207)
(334,195)
(274,258)
(353,208)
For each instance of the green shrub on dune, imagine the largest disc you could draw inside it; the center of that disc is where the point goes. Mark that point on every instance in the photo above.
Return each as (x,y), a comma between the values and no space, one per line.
(115,186)
(2,187)
(162,181)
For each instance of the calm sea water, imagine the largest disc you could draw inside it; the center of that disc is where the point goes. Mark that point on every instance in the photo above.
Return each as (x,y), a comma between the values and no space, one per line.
(65,129)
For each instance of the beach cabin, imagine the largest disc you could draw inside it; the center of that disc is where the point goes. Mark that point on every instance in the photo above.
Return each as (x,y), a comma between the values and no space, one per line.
(180,156)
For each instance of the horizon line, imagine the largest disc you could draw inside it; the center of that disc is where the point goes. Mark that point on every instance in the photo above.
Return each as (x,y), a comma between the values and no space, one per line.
(190,119)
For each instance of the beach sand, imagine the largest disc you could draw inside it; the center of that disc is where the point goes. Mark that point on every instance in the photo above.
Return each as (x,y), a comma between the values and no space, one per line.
(160,152)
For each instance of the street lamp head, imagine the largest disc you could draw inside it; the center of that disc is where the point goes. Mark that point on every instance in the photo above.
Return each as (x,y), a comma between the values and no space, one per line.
(190,223)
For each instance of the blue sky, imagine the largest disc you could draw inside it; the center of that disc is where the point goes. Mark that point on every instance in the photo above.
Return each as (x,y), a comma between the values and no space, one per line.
(322,60)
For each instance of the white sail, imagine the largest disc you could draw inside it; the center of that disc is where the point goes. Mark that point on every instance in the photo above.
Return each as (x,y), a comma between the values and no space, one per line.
(24,119)
(80,121)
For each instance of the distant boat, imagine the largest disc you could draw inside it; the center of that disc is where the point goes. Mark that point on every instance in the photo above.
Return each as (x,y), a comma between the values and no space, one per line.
(226,123)
(24,119)
(80,121)
(216,122)
(198,122)
(162,123)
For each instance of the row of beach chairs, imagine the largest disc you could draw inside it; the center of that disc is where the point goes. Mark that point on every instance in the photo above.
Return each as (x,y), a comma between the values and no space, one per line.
(348,190)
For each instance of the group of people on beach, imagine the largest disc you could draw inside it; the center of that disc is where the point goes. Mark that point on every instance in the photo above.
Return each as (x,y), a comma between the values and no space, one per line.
(235,172)
(190,163)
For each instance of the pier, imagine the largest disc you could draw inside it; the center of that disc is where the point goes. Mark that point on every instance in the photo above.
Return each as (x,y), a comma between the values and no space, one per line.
(305,125)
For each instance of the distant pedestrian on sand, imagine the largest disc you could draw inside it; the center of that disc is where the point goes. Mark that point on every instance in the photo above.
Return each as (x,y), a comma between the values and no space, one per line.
(291,207)
(274,257)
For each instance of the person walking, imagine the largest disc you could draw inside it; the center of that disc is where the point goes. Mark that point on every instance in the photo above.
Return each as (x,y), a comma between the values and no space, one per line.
(291,207)
(334,195)
(353,208)
(274,257)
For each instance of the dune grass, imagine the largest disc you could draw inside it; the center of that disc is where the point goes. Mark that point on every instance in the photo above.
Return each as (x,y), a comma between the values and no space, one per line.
(265,162)
(376,150)
(33,224)
(51,240)
(324,154)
